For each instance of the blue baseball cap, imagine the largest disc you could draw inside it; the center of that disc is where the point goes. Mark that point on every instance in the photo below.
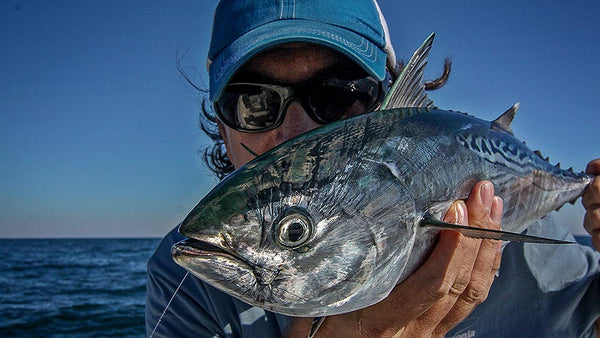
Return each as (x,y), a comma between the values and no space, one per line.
(244,28)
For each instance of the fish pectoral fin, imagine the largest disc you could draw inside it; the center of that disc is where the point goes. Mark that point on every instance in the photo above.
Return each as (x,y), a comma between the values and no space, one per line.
(489,233)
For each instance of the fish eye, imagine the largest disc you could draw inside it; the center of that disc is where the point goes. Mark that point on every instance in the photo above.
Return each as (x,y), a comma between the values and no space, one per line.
(294,228)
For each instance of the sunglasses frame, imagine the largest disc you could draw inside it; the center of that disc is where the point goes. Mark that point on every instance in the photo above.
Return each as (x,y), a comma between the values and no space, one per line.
(289,93)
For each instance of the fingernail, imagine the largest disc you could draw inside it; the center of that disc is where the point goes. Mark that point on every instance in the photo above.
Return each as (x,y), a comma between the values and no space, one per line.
(486,192)
(461,212)
(497,208)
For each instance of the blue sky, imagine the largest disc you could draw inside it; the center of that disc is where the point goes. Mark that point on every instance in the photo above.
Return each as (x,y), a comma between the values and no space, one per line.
(99,133)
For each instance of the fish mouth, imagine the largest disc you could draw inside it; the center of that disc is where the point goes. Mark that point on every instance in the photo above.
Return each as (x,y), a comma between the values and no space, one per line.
(192,251)
(195,247)
(226,270)
(192,247)
(211,262)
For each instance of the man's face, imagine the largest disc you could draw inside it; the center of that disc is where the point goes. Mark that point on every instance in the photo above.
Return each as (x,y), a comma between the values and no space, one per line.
(286,65)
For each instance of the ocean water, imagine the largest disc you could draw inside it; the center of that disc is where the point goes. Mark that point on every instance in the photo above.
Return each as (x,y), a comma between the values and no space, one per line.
(76,287)
(73,287)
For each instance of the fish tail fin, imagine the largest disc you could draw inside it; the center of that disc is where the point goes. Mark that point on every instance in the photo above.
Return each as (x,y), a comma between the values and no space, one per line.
(489,233)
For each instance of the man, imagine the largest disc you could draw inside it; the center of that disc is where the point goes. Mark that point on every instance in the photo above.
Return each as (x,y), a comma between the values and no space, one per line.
(324,46)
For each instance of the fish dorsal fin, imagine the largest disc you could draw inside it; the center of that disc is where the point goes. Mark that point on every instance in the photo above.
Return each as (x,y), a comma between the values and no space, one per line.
(409,89)
(503,122)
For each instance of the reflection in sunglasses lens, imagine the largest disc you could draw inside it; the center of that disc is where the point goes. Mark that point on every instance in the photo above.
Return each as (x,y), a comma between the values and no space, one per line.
(259,107)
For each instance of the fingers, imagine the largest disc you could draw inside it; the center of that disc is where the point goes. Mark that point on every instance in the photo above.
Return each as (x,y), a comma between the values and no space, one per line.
(591,198)
(421,291)
(455,277)
(593,168)
(591,223)
(485,211)
(469,265)
(446,285)
(434,279)
(591,202)
(419,303)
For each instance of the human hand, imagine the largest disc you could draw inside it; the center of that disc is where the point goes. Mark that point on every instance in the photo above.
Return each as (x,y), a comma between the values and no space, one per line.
(591,202)
(454,279)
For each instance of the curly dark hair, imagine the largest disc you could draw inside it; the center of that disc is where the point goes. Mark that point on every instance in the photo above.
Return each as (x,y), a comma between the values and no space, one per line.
(215,156)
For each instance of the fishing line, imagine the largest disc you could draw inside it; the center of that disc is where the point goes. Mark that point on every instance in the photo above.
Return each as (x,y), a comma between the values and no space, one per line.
(249,150)
(169,303)
(316,324)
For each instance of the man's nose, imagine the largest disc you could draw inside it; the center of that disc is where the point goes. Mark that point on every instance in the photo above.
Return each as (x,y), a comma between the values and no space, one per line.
(296,122)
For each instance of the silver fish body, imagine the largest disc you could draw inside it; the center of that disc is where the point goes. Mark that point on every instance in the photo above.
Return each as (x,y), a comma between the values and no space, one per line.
(329,222)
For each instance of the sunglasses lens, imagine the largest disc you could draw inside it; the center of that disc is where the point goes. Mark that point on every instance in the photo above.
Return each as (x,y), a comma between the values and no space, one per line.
(335,99)
(258,107)
(249,107)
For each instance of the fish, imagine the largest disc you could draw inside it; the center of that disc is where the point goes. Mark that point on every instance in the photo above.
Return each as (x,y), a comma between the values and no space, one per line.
(332,220)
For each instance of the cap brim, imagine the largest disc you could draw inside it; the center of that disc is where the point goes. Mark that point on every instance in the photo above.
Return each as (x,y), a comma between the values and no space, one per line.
(361,50)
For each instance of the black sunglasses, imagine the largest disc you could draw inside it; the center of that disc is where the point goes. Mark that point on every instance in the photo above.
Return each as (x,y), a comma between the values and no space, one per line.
(253,107)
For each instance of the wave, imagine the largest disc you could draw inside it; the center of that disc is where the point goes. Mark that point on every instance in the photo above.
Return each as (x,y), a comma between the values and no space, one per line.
(65,288)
